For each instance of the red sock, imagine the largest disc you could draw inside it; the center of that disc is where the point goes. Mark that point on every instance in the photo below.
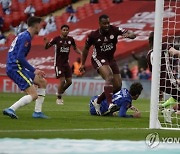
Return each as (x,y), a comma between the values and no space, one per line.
(108,90)
(101,98)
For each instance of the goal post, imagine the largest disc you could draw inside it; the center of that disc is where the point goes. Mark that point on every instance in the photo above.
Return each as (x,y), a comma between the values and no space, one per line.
(165,110)
(159,10)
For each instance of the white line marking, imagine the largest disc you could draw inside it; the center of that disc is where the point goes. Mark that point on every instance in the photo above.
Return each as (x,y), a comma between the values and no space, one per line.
(65,110)
(69,130)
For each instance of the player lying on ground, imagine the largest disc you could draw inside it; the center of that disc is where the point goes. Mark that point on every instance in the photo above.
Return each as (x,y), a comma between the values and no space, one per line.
(122,101)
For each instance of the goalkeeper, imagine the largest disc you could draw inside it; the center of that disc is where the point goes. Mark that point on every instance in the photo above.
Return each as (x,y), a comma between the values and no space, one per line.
(168,82)
(122,100)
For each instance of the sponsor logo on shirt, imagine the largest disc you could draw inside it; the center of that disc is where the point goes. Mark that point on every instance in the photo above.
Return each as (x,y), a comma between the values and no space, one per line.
(106,47)
(64,49)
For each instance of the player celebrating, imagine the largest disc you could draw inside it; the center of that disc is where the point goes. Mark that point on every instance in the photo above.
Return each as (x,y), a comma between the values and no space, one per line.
(23,74)
(62,69)
(122,101)
(104,41)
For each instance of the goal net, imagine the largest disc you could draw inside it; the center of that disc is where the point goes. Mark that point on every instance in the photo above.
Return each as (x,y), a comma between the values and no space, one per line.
(165,92)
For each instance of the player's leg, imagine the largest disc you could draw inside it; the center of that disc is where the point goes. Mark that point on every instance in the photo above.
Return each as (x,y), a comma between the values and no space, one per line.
(59,70)
(24,82)
(117,81)
(59,100)
(67,83)
(107,74)
(68,77)
(41,92)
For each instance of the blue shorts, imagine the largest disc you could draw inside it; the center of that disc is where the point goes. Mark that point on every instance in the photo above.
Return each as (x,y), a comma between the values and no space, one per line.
(92,109)
(23,78)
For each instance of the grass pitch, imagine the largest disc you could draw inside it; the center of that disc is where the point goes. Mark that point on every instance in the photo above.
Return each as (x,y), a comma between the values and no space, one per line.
(73,121)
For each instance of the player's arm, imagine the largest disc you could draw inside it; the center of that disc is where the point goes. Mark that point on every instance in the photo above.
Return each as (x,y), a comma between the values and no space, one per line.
(85,53)
(125,33)
(21,56)
(173,51)
(47,43)
(75,47)
(129,34)
(78,50)
(123,110)
(84,57)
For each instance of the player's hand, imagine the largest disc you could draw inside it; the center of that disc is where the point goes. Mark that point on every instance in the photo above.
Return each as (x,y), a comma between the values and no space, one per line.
(129,34)
(82,69)
(137,114)
(134,108)
(39,72)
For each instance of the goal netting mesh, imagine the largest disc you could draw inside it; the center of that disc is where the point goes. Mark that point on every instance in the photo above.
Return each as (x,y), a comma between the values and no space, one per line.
(169,97)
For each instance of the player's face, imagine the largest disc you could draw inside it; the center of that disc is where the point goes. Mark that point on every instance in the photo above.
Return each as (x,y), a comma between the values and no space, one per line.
(104,24)
(65,31)
(135,97)
(37,28)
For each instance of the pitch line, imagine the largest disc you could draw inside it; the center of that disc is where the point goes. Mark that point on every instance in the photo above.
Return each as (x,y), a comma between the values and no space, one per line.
(65,110)
(70,130)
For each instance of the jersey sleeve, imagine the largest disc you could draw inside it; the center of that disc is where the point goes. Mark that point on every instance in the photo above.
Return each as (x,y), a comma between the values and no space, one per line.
(123,109)
(22,52)
(120,31)
(73,43)
(89,40)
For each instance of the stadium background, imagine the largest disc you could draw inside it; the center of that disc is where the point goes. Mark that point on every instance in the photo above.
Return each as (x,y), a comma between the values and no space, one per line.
(139,18)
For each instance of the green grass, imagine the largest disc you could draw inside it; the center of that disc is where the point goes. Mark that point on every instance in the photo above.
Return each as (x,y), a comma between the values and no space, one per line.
(73,121)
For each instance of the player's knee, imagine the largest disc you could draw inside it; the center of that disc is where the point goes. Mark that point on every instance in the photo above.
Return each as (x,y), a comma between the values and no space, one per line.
(42,83)
(116,89)
(62,82)
(109,78)
(34,96)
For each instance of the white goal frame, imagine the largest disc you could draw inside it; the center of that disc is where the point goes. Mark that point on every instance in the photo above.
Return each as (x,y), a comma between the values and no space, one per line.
(159,10)
(156,63)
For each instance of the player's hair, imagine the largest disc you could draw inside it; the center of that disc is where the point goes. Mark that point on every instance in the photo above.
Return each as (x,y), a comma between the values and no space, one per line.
(33,20)
(104,16)
(135,89)
(151,39)
(64,26)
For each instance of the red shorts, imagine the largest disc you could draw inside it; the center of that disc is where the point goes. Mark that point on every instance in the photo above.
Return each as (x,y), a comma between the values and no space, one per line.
(63,71)
(97,63)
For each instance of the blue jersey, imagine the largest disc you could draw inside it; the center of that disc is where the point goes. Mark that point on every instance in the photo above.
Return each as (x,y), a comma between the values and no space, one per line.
(123,100)
(19,49)
(18,68)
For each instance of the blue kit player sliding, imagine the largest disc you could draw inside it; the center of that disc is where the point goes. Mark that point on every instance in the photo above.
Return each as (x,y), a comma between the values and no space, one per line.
(23,74)
(122,100)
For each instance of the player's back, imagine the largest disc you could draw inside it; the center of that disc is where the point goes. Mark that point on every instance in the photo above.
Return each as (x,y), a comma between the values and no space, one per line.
(121,97)
(19,48)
